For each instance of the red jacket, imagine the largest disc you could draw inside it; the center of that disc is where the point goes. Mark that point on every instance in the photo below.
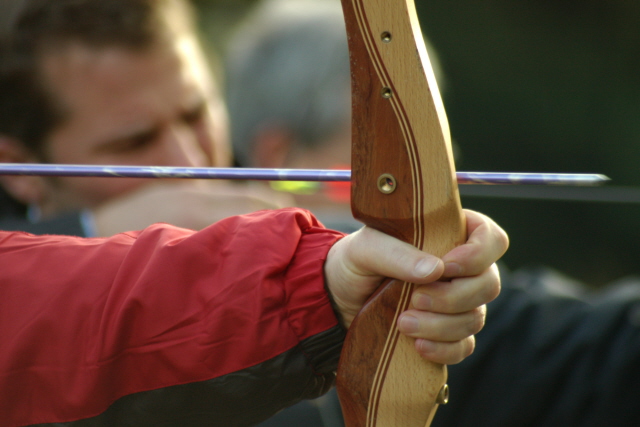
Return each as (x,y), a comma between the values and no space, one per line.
(219,327)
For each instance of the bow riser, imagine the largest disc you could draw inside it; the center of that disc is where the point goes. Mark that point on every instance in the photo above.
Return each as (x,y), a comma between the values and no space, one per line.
(400,133)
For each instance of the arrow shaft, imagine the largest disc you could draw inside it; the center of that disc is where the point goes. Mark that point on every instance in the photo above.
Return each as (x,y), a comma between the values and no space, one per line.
(278,174)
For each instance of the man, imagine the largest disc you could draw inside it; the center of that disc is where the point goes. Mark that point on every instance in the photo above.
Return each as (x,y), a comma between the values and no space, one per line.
(550,354)
(123,82)
(109,83)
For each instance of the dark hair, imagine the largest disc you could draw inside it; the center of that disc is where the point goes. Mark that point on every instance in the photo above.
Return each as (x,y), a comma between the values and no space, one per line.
(32,28)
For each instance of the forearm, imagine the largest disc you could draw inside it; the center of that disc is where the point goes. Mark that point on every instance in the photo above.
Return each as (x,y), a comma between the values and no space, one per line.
(94,320)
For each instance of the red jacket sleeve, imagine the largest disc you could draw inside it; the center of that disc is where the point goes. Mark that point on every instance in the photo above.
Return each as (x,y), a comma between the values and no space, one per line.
(87,321)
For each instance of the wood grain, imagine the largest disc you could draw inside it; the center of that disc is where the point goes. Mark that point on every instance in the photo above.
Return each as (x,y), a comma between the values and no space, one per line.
(399,128)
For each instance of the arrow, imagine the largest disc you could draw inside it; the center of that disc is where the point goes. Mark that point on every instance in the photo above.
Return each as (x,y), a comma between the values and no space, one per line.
(38,169)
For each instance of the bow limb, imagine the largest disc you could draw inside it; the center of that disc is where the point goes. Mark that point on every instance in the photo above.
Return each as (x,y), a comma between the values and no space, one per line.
(403,183)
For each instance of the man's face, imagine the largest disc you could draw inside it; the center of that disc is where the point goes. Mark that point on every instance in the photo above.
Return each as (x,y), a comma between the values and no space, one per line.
(154,107)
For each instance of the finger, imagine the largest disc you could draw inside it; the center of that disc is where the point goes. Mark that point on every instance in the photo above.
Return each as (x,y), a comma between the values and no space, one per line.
(374,253)
(447,353)
(486,243)
(441,327)
(460,294)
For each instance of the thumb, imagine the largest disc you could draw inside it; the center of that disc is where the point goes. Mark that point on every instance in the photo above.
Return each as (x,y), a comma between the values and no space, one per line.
(373,253)
(357,264)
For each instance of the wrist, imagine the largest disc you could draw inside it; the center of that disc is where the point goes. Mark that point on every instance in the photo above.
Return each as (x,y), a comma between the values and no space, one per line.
(344,313)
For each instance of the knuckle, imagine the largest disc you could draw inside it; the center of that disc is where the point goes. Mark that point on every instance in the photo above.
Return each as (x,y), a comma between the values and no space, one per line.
(469,347)
(477,321)
(503,238)
(492,285)
(464,349)
(495,288)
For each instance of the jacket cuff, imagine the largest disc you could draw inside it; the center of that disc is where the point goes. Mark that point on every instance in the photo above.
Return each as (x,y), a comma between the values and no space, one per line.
(310,310)
(323,350)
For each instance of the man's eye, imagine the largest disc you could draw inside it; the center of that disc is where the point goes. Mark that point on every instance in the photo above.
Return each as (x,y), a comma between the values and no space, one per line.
(131,144)
(195,115)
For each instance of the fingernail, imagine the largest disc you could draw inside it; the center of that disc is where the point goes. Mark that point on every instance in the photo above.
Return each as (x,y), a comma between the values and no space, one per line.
(408,324)
(452,269)
(422,301)
(426,346)
(425,267)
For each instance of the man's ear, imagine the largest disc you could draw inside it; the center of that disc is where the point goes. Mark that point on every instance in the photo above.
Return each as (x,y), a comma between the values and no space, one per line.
(271,147)
(25,189)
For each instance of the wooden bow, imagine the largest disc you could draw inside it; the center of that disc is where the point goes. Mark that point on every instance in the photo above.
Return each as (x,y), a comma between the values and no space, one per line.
(403,183)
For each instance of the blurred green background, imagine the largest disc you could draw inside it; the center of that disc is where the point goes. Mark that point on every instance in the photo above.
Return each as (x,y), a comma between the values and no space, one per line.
(536,86)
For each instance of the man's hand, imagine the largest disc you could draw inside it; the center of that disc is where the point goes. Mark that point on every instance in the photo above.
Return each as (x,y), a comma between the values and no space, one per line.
(448,306)
(191,204)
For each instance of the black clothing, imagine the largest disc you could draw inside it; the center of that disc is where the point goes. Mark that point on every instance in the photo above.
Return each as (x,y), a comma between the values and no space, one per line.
(551,355)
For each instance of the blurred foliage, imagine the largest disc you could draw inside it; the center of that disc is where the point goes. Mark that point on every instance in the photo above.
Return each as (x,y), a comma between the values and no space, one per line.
(545,86)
